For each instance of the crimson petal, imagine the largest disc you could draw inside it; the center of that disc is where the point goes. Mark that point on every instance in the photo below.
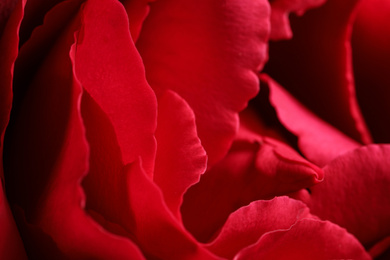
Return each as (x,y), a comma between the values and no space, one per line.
(11,246)
(307,239)
(111,71)
(280,11)
(317,140)
(47,135)
(180,158)
(207,52)
(245,226)
(255,168)
(371,64)
(358,183)
(316,66)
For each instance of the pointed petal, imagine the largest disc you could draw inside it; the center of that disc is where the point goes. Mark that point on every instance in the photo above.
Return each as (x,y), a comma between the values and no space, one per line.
(307,239)
(207,52)
(180,158)
(316,66)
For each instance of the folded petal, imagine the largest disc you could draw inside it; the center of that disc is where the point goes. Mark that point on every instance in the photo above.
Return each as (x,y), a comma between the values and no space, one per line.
(111,71)
(371,63)
(180,158)
(207,52)
(358,183)
(317,140)
(280,11)
(307,239)
(255,168)
(46,133)
(316,66)
(246,225)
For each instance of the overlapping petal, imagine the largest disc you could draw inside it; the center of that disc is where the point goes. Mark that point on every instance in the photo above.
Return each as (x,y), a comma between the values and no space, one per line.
(316,66)
(246,225)
(180,158)
(317,140)
(355,192)
(107,61)
(307,239)
(256,167)
(207,52)
(47,135)
(280,11)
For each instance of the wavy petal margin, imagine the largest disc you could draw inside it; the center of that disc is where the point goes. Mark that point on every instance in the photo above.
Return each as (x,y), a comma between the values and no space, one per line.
(208,52)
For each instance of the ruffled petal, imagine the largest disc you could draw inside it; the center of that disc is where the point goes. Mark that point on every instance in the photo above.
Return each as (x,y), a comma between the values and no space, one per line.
(180,158)
(358,183)
(111,71)
(317,140)
(280,11)
(307,239)
(245,226)
(255,168)
(46,133)
(207,52)
(371,64)
(316,66)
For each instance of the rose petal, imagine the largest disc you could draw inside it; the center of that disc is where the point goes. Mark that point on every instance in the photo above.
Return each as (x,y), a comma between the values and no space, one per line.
(381,250)
(316,66)
(207,52)
(255,168)
(180,158)
(317,140)
(371,63)
(11,246)
(281,9)
(35,12)
(358,183)
(307,239)
(137,11)
(47,135)
(245,226)
(115,79)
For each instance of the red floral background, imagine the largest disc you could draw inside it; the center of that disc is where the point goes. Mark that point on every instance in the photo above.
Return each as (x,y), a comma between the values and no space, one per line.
(182,129)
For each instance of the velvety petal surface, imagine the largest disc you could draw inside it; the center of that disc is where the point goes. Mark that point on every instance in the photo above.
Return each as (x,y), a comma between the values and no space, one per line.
(208,53)
(256,167)
(317,140)
(111,71)
(246,225)
(46,133)
(315,66)
(355,193)
(280,11)
(180,158)
(371,64)
(307,239)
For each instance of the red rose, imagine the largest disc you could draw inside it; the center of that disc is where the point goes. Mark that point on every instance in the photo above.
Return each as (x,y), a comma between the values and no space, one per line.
(127,134)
